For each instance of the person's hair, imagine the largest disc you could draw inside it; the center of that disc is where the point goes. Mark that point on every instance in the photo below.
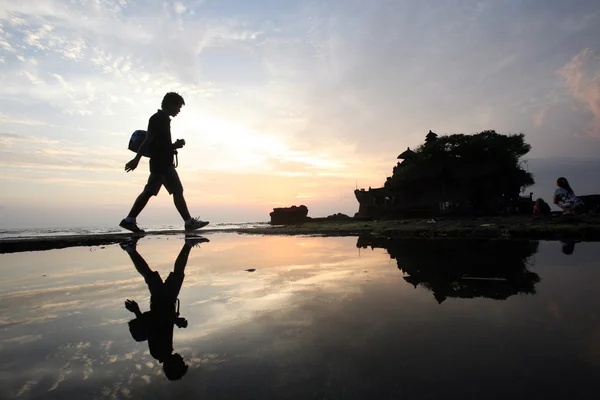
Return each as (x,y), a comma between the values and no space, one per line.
(172,98)
(174,367)
(564,183)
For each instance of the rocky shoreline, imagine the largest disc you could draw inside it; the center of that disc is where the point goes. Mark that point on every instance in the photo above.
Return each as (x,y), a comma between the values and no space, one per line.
(579,228)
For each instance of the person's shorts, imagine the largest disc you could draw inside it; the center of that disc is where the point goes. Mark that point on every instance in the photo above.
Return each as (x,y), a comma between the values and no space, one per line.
(167,291)
(169,178)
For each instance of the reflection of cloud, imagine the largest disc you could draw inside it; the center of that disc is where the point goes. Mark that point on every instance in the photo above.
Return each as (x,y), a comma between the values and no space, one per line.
(22,339)
(240,301)
(582,77)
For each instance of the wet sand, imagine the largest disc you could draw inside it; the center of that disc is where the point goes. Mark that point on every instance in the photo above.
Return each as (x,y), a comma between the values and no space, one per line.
(582,228)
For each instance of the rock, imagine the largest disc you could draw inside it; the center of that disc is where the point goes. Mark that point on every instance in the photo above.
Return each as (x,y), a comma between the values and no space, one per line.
(339,217)
(251,270)
(289,215)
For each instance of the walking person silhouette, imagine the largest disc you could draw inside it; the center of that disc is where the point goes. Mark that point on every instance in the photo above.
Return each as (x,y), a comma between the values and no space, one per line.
(158,144)
(156,325)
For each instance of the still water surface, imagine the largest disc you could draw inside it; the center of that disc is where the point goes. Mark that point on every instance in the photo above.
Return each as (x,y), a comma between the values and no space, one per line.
(322,318)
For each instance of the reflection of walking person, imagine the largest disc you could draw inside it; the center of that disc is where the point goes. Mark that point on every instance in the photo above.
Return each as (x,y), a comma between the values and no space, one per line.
(157,325)
(159,145)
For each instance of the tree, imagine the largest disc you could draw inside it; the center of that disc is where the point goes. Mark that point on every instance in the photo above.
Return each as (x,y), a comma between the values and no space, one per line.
(483,168)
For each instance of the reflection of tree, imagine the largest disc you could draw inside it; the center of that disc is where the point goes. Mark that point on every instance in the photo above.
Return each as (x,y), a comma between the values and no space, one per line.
(495,269)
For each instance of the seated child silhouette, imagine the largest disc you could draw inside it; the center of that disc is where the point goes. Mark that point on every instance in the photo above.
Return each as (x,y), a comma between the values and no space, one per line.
(156,326)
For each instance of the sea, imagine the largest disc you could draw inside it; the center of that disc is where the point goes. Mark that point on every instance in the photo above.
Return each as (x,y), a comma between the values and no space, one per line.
(41,232)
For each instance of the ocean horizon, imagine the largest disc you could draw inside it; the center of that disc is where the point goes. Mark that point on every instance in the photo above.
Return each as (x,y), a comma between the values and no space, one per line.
(15,233)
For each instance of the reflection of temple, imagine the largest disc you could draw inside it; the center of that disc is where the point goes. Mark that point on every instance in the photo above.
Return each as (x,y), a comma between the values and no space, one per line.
(457,268)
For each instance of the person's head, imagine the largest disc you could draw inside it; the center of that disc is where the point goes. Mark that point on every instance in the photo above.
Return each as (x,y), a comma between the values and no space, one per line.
(563,183)
(568,248)
(174,367)
(137,328)
(172,103)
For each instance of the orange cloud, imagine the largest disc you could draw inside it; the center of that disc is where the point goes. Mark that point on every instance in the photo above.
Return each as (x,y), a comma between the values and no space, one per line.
(582,77)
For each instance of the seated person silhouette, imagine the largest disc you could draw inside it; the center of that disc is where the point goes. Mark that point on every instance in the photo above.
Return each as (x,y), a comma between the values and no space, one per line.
(156,326)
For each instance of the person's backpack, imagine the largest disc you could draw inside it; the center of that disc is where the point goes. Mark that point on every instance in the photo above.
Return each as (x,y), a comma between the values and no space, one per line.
(136,140)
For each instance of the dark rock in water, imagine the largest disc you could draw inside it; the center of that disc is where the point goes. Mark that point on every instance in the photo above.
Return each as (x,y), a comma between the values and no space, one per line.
(339,217)
(251,270)
(289,215)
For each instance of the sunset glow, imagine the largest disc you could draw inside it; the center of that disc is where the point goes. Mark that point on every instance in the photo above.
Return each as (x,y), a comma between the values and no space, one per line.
(286,102)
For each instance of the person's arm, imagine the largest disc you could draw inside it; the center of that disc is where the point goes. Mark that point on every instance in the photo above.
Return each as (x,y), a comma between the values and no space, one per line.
(179,143)
(556,197)
(132,306)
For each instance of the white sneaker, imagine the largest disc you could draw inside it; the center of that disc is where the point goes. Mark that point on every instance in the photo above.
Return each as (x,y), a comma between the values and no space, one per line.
(195,223)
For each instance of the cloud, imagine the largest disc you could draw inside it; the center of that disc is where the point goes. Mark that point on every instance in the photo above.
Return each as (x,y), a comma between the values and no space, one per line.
(582,79)
(306,93)
(143,49)
(7,119)
(30,152)
(179,8)
(538,117)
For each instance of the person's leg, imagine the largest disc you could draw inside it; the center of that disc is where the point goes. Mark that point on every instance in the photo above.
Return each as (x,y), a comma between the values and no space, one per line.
(182,258)
(175,188)
(152,188)
(139,204)
(174,281)
(152,278)
(567,210)
(138,261)
(181,206)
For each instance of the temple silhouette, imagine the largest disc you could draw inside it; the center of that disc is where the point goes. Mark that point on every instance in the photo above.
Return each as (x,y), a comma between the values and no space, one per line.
(480,174)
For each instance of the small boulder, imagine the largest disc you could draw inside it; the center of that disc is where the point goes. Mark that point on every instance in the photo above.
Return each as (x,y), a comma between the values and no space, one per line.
(289,215)
(339,217)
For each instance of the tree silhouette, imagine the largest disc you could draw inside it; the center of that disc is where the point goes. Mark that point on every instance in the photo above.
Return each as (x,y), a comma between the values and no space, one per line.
(483,169)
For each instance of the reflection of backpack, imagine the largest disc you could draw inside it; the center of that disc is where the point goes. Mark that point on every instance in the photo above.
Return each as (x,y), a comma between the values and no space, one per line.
(138,327)
(136,140)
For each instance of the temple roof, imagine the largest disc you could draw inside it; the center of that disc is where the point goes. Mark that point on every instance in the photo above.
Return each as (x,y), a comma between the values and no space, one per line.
(406,154)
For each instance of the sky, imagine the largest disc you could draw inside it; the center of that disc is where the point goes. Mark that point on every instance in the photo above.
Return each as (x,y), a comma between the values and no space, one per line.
(287,102)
